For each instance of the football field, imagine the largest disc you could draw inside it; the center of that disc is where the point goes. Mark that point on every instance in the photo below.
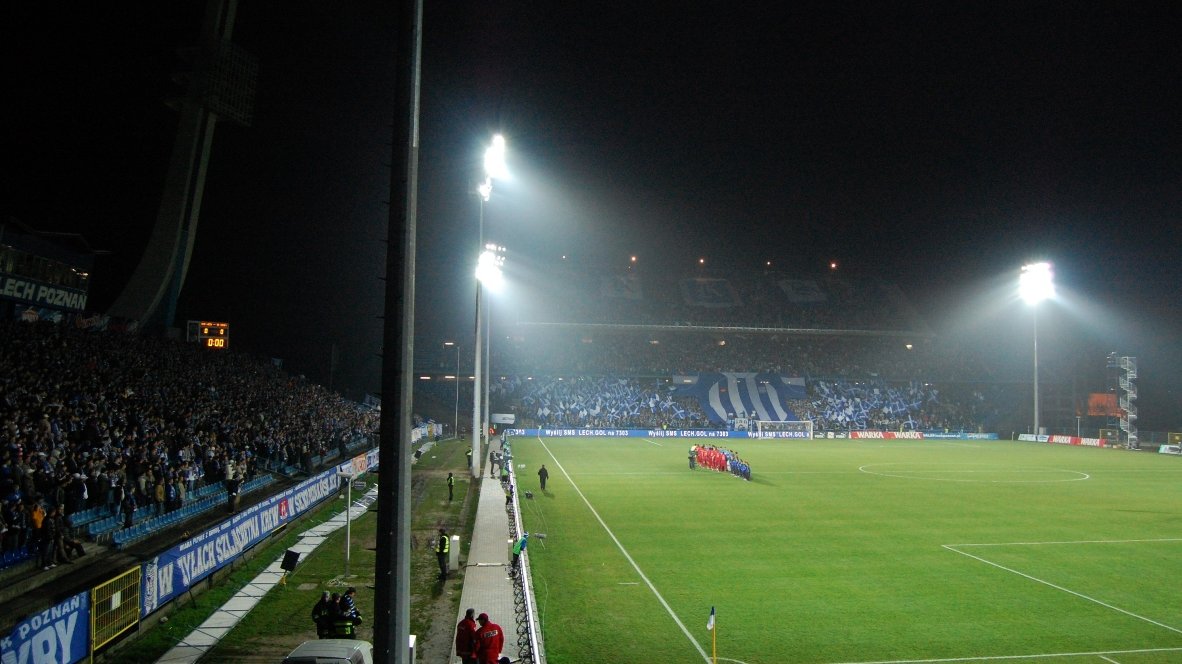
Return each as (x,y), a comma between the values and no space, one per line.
(854,551)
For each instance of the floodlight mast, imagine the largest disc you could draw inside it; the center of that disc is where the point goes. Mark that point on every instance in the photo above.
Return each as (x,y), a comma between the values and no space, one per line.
(494,168)
(488,271)
(1036,283)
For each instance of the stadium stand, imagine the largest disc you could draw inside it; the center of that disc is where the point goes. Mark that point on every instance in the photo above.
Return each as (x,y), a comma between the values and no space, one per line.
(605,350)
(133,435)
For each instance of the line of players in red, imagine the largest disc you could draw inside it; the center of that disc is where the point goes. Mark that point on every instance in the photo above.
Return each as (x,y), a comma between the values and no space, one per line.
(719,459)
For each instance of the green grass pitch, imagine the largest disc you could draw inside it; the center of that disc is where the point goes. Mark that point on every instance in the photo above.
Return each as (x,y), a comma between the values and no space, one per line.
(854,551)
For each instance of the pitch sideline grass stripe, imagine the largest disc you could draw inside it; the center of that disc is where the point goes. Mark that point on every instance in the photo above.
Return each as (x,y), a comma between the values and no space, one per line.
(1066,590)
(1002,658)
(627,556)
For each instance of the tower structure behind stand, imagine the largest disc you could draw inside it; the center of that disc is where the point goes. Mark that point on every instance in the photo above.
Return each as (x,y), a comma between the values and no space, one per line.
(1127,380)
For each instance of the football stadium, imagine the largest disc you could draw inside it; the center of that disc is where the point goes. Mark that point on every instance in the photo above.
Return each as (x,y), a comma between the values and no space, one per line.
(547,333)
(730,483)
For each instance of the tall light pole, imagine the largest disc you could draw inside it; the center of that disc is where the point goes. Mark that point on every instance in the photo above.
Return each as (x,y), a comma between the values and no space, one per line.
(456,428)
(494,168)
(493,281)
(1036,283)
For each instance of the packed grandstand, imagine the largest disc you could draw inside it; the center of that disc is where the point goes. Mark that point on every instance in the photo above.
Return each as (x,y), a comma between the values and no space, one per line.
(700,350)
(125,431)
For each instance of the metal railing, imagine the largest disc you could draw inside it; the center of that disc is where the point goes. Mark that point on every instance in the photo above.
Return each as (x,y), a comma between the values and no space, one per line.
(529,640)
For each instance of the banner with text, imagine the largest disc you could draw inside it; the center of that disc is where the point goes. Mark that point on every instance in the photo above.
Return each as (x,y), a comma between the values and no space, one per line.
(57,635)
(888,435)
(174,571)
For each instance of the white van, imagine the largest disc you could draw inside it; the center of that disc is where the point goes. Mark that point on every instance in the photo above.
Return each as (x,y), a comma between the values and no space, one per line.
(332,651)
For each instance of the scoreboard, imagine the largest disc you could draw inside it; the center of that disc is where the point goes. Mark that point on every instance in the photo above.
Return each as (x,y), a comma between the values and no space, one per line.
(209,334)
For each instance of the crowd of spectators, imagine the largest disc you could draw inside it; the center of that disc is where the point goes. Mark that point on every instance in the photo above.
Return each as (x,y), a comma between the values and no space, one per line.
(880,406)
(629,403)
(90,419)
(596,403)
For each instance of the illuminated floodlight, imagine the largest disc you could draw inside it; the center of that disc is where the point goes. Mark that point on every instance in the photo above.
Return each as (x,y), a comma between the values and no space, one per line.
(488,270)
(1036,283)
(485,190)
(494,160)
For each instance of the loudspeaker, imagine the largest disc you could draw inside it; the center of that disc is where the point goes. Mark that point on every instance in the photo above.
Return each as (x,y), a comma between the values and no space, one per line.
(290,560)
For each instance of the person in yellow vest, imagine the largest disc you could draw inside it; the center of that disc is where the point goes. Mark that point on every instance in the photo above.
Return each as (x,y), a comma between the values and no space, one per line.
(442,548)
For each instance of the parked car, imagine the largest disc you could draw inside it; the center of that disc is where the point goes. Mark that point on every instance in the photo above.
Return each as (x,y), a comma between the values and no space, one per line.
(332,651)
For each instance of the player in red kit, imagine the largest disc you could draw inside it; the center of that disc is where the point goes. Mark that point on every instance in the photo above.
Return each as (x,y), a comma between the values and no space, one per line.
(490,638)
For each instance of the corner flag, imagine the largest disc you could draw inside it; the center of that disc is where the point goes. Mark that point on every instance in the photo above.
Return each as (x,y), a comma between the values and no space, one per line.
(713,638)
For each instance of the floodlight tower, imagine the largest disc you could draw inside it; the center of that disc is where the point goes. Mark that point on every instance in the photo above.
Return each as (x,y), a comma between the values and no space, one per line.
(1036,283)
(494,168)
(1128,409)
(488,271)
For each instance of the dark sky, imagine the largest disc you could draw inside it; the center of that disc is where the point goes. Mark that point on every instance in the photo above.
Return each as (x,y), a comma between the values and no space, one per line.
(939,148)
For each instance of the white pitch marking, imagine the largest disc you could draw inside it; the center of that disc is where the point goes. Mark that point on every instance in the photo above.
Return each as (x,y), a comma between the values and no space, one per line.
(627,556)
(1126,541)
(999,658)
(1067,590)
(1109,659)
(653,442)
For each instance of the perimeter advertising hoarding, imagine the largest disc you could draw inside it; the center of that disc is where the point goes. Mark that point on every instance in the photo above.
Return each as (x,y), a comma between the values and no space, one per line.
(717,433)
(172,572)
(57,635)
(1064,440)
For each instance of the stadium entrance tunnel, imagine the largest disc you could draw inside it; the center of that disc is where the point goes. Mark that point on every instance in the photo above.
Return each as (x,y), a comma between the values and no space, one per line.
(946,472)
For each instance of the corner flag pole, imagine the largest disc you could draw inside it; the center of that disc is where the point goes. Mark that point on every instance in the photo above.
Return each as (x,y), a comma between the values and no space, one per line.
(713,636)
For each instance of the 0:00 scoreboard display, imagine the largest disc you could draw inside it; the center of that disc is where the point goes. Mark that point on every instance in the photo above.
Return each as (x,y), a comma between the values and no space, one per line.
(208,334)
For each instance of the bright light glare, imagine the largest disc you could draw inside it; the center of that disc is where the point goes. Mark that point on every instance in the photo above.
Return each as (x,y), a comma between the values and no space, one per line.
(488,270)
(485,190)
(494,159)
(1036,283)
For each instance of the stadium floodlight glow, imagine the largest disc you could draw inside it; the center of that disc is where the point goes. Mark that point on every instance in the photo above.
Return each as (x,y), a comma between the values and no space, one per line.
(494,159)
(488,268)
(1036,283)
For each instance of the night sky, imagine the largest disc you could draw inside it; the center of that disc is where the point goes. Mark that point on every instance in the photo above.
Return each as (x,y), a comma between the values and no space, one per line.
(937,148)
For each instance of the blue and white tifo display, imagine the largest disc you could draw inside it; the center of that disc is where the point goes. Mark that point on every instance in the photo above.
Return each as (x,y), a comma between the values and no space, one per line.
(58,634)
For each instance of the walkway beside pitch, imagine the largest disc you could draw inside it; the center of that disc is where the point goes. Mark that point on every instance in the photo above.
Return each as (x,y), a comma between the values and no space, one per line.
(487,585)
(214,629)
